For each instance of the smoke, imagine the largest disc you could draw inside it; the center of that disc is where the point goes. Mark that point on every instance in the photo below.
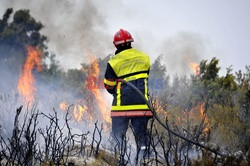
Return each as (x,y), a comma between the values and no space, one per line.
(181,50)
(74,26)
(71,27)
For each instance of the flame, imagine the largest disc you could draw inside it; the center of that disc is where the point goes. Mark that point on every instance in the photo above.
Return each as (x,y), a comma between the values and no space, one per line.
(64,105)
(26,80)
(206,120)
(195,68)
(93,72)
(192,65)
(191,117)
(160,108)
(78,112)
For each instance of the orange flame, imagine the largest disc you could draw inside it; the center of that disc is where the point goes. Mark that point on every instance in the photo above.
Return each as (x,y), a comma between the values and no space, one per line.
(192,65)
(64,105)
(78,112)
(160,108)
(195,68)
(85,112)
(93,72)
(204,116)
(26,79)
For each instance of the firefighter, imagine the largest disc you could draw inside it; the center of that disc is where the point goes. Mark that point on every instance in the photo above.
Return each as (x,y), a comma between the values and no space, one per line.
(128,107)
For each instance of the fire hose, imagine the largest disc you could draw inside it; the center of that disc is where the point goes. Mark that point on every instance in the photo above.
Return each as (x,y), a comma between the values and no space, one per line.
(165,126)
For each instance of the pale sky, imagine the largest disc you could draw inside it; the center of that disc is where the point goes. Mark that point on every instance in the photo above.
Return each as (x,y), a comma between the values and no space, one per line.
(209,28)
(224,24)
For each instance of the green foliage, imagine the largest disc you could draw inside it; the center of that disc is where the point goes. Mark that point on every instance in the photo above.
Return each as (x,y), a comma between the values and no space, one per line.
(209,71)
(52,70)
(158,75)
(157,69)
(228,127)
(22,30)
(228,82)
(75,78)
(227,101)
(243,79)
(227,97)
(6,16)
(16,35)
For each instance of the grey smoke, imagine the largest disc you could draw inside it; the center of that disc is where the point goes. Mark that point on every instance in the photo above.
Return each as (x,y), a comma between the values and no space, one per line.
(182,49)
(71,27)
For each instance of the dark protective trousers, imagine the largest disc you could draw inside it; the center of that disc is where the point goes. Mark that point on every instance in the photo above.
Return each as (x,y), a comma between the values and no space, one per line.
(139,127)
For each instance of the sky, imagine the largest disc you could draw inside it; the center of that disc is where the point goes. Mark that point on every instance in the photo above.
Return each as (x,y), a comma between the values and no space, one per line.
(182,31)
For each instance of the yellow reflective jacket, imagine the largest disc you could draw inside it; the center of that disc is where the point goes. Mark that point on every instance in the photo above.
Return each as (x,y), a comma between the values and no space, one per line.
(131,65)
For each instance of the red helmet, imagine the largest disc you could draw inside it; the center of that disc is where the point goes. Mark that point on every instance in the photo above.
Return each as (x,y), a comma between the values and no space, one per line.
(122,36)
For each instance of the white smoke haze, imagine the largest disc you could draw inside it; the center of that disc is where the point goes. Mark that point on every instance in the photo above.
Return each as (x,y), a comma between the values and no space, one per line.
(47,101)
(71,28)
(74,26)
(181,50)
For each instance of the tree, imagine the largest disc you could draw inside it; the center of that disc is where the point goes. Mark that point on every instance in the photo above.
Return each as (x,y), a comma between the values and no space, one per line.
(209,71)
(157,69)
(22,30)
(16,35)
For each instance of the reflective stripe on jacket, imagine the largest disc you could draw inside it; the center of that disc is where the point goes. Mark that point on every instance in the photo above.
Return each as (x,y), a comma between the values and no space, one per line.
(133,66)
